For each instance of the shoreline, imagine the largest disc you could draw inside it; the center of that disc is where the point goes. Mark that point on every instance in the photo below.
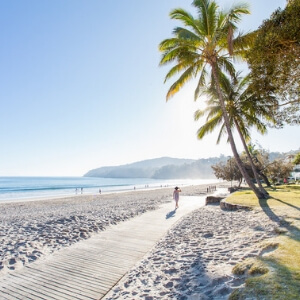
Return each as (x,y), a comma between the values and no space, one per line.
(30,230)
(194,260)
(131,188)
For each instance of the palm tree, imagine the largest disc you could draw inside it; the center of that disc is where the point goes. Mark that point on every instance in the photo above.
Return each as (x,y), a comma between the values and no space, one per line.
(259,157)
(244,108)
(207,42)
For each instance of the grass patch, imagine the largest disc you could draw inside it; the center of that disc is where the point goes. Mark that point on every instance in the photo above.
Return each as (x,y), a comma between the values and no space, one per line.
(281,195)
(250,266)
(275,275)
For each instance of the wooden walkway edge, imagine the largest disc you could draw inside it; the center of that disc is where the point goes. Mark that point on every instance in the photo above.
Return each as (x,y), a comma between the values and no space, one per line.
(89,269)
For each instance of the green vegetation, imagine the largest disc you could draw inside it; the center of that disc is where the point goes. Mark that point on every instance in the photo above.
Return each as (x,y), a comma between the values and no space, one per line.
(251,267)
(228,171)
(271,172)
(274,62)
(282,195)
(207,47)
(296,160)
(276,275)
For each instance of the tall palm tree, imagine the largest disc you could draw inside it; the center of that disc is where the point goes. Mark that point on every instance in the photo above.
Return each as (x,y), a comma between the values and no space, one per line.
(207,42)
(244,108)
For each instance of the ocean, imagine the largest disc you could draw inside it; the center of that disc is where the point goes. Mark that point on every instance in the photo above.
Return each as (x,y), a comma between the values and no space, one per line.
(30,188)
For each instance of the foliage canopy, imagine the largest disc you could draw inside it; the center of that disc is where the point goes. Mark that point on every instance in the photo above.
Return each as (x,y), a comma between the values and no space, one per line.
(274,61)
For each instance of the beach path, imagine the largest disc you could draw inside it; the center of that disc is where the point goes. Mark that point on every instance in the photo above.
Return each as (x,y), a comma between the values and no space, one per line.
(89,269)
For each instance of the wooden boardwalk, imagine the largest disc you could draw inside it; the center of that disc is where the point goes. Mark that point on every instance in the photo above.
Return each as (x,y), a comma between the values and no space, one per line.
(89,269)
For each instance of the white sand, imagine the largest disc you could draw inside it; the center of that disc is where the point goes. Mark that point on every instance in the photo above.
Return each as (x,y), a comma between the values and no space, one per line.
(32,229)
(193,261)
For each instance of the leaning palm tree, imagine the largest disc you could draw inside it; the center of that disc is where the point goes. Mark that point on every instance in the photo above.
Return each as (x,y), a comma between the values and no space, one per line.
(207,43)
(244,108)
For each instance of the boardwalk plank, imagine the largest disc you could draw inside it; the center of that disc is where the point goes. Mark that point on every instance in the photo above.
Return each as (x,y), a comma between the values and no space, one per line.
(73,276)
(5,295)
(91,260)
(99,282)
(116,263)
(42,286)
(78,283)
(89,269)
(43,291)
(28,291)
(106,265)
(14,293)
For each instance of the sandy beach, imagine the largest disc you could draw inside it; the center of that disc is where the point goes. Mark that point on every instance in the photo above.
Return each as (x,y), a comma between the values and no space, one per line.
(193,261)
(32,229)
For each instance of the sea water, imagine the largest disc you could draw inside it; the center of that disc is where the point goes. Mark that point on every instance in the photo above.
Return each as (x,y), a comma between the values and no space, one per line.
(29,188)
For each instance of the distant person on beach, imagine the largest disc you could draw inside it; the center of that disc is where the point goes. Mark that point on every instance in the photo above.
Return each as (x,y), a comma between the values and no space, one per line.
(99,191)
(176,192)
(81,190)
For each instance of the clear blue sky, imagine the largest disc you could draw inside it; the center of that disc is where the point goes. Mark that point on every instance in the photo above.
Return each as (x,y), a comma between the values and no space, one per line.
(81,87)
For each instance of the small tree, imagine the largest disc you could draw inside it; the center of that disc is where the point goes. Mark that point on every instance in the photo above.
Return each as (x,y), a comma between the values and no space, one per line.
(228,171)
(296,160)
(278,170)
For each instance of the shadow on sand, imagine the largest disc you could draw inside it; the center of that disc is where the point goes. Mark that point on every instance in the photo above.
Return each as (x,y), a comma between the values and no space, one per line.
(171,214)
(294,231)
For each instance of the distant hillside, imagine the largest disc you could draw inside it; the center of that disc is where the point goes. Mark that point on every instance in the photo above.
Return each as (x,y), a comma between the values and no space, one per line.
(159,168)
(168,168)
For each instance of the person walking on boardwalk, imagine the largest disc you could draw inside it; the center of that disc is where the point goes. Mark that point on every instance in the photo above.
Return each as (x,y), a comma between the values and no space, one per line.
(176,192)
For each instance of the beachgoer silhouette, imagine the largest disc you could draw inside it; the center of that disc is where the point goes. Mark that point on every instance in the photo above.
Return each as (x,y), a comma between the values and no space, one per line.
(176,192)
(99,191)
(81,190)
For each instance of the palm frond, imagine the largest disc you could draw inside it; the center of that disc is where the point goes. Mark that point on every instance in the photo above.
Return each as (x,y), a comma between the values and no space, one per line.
(207,128)
(236,11)
(241,44)
(207,15)
(227,65)
(185,17)
(181,53)
(201,83)
(215,112)
(199,114)
(175,70)
(177,85)
(222,132)
(185,34)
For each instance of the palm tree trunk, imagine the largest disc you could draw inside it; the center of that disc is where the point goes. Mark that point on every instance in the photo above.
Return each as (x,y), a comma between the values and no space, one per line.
(239,162)
(250,159)
(265,178)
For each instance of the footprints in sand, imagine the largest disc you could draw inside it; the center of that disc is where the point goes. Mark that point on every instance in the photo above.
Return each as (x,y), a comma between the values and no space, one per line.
(31,230)
(195,259)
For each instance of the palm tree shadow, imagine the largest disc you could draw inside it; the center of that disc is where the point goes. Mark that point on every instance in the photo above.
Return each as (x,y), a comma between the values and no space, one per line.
(268,211)
(171,214)
(291,205)
(294,231)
